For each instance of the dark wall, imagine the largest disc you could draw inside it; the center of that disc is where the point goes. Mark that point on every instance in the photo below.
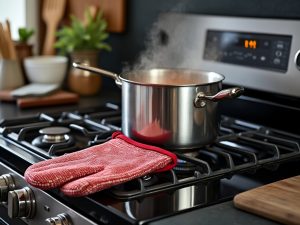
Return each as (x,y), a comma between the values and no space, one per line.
(141,14)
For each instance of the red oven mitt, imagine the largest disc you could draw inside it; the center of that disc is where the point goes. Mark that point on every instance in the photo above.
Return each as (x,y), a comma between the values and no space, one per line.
(99,167)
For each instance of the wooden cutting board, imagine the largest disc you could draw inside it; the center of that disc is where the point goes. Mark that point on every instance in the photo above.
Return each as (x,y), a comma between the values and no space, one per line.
(56,98)
(279,201)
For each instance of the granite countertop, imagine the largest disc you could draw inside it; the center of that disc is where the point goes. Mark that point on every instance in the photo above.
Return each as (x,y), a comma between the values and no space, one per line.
(223,213)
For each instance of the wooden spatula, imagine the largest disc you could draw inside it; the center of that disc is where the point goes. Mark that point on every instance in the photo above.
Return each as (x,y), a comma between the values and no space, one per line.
(9,41)
(92,10)
(3,43)
(53,11)
(7,47)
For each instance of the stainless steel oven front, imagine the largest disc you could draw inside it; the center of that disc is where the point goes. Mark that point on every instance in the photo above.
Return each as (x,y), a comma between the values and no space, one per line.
(258,53)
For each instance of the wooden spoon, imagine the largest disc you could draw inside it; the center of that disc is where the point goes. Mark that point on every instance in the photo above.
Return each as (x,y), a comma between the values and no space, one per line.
(93,11)
(53,11)
(9,41)
(3,43)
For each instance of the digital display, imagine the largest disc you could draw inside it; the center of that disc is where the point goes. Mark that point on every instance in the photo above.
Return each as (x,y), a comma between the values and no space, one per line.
(243,40)
(248,43)
(266,51)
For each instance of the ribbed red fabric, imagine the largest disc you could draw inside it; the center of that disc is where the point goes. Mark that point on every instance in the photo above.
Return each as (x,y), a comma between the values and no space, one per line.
(99,167)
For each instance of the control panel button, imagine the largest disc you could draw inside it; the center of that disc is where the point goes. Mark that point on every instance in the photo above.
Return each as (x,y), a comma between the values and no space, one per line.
(266,44)
(280,45)
(6,184)
(276,61)
(263,58)
(297,60)
(278,53)
(60,219)
(21,203)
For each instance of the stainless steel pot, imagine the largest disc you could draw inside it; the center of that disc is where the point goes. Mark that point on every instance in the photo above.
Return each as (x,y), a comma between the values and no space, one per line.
(172,108)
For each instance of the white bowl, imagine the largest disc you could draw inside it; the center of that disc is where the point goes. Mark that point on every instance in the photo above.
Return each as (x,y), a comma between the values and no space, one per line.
(46,69)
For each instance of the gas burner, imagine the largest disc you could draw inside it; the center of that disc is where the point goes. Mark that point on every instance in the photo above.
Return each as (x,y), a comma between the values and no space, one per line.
(184,166)
(149,180)
(53,135)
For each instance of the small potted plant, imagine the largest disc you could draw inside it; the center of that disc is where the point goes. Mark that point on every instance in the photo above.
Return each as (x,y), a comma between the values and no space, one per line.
(23,48)
(83,40)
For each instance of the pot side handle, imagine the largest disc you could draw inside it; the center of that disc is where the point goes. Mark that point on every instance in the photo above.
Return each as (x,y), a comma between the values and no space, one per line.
(98,71)
(201,98)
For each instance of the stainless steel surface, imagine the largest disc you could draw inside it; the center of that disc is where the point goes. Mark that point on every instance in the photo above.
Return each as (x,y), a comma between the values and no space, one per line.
(158,106)
(54,130)
(201,98)
(98,71)
(297,60)
(61,219)
(55,134)
(181,199)
(21,203)
(172,77)
(6,184)
(160,77)
(55,138)
(181,26)
(166,115)
(46,205)
(195,195)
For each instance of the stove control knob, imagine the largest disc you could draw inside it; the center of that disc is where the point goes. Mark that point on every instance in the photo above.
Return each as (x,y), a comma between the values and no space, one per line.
(21,203)
(297,60)
(60,219)
(6,184)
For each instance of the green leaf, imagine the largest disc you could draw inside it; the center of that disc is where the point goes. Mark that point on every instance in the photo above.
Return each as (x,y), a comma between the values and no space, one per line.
(25,34)
(78,36)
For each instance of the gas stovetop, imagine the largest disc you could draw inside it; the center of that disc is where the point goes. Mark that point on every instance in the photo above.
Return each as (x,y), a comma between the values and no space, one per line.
(243,157)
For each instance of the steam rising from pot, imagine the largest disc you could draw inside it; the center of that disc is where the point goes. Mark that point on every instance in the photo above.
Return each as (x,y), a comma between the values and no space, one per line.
(164,43)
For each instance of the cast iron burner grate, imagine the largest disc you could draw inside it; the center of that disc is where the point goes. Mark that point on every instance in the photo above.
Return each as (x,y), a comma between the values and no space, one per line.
(252,148)
(241,148)
(81,131)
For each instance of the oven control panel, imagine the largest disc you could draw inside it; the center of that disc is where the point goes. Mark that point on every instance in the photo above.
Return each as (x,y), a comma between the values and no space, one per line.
(265,51)
(32,205)
(257,53)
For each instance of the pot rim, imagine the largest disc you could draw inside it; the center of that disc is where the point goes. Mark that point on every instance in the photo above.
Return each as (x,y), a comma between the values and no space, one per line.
(124,77)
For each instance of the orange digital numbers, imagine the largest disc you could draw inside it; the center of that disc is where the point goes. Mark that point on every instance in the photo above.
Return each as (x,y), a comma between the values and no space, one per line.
(250,44)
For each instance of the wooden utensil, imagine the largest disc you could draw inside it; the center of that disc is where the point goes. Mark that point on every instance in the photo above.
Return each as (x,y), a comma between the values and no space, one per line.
(53,11)
(93,10)
(279,201)
(3,45)
(9,41)
(114,12)
(7,47)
